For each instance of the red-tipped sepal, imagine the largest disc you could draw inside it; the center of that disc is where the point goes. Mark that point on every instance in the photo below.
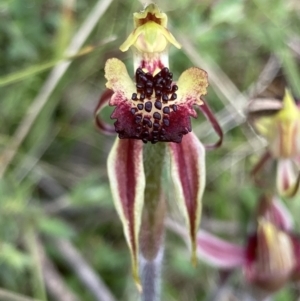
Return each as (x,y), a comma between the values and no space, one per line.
(127,181)
(188,175)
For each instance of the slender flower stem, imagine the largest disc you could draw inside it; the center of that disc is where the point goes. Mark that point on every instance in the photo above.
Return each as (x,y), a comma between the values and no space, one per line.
(151,234)
(151,277)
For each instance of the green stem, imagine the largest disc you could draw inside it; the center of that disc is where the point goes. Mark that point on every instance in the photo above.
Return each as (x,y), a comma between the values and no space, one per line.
(152,229)
(154,206)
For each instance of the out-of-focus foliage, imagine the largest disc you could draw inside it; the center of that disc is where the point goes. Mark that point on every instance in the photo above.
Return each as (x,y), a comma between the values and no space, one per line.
(56,185)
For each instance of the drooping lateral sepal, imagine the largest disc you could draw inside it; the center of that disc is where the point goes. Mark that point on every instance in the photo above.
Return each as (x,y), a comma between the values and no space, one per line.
(188,176)
(127,181)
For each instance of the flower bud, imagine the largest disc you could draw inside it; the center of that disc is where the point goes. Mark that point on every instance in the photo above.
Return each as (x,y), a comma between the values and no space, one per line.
(282,130)
(270,257)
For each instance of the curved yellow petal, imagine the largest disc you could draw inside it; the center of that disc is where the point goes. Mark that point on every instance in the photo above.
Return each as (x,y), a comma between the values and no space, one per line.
(118,80)
(192,85)
(150,37)
(130,40)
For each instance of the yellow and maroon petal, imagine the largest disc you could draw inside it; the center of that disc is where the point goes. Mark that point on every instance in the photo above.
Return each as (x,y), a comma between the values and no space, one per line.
(270,257)
(127,181)
(188,175)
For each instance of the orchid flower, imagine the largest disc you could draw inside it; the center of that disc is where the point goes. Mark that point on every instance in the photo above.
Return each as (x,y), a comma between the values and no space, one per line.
(153,108)
(282,131)
(270,256)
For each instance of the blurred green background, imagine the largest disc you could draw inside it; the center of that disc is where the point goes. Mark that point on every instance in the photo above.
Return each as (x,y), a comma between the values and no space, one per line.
(55,202)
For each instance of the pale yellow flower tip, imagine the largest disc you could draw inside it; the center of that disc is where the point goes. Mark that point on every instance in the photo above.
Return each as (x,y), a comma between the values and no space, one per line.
(150,34)
(152,9)
(194,259)
(268,230)
(137,280)
(290,109)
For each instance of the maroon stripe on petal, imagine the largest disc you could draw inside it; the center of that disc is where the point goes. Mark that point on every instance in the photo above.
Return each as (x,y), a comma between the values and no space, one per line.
(205,109)
(100,124)
(126,172)
(188,174)
(127,181)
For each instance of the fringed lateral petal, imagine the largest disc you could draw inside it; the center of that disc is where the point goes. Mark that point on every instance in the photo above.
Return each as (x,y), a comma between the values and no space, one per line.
(101,125)
(188,175)
(127,180)
(288,181)
(218,252)
(205,109)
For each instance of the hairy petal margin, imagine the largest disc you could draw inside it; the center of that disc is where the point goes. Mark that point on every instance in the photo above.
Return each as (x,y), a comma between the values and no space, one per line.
(127,181)
(188,175)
